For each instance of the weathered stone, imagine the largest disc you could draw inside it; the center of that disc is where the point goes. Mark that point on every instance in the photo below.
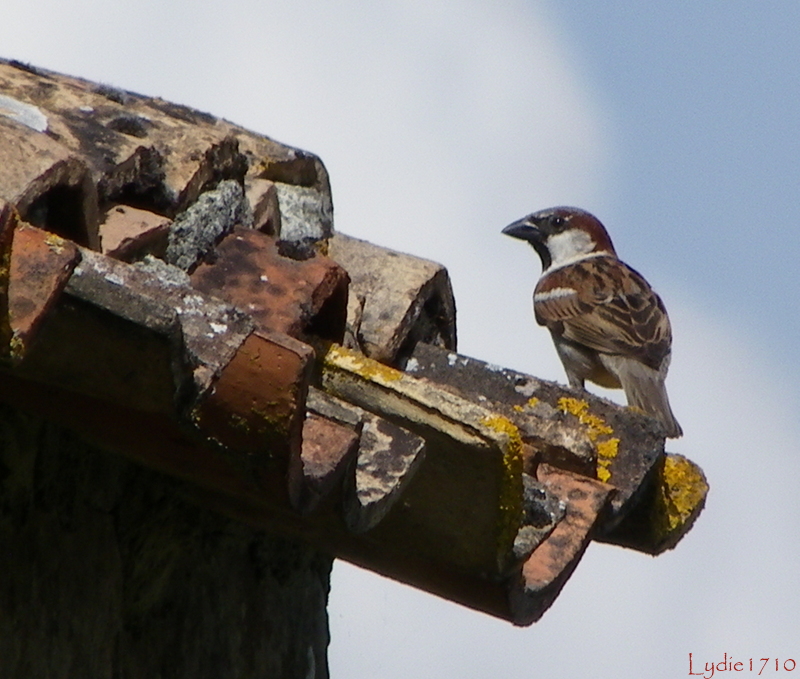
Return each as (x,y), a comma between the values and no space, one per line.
(128,233)
(134,358)
(207,334)
(302,188)
(88,123)
(547,570)
(389,457)
(304,299)
(335,409)
(195,232)
(542,426)
(306,213)
(542,511)
(277,162)
(41,264)
(157,155)
(152,153)
(167,274)
(50,187)
(666,512)
(570,429)
(263,199)
(464,506)
(396,300)
(190,169)
(25,114)
(147,150)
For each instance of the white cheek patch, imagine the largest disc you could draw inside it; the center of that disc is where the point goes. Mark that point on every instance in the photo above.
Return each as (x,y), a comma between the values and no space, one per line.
(570,246)
(555,293)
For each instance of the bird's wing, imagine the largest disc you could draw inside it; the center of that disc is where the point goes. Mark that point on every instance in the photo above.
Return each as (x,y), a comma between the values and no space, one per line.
(604,304)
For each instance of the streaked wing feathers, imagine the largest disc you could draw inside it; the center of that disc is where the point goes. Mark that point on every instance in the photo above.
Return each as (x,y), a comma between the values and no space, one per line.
(602,303)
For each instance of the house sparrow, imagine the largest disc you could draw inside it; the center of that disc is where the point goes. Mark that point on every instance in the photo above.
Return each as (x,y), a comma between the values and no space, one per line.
(608,325)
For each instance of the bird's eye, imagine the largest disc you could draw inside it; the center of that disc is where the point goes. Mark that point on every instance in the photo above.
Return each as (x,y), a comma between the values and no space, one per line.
(557,221)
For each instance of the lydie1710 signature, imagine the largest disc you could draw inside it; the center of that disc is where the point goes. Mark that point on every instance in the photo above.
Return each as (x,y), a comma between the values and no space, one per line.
(757,666)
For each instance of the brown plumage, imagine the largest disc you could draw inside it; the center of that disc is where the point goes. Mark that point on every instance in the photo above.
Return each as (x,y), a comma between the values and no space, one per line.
(607,323)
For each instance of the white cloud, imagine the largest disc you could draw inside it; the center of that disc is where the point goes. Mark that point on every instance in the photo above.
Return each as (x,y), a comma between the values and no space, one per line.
(730,586)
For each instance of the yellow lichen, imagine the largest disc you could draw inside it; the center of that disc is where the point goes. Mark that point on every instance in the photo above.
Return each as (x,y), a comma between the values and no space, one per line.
(16,346)
(530,403)
(341,357)
(595,425)
(606,452)
(322,247)
(511,492)
(55,243)
(237,421)
(608,449)
(597,431)
(682,493)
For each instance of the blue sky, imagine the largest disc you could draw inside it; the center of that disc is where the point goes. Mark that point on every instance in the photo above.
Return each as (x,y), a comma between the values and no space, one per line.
(440,123)
(704,100)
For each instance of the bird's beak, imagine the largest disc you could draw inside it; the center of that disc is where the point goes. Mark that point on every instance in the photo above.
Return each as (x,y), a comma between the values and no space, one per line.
(524,230)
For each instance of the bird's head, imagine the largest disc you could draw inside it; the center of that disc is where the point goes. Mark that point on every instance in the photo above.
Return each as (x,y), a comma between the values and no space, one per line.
(561,235)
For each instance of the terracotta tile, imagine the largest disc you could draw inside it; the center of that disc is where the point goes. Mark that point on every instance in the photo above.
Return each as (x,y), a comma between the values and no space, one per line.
(41,264)
(127,232)
(50,186)
(257,404)
(549,567)
(328,453)
(299,298)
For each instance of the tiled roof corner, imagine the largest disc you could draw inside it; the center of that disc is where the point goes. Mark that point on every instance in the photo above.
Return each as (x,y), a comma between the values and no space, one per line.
(172,289)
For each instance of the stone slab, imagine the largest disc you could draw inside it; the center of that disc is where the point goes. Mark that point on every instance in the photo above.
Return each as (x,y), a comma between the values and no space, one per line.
(396,300)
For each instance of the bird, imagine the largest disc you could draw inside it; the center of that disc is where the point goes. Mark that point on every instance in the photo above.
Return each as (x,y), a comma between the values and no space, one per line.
(608,325)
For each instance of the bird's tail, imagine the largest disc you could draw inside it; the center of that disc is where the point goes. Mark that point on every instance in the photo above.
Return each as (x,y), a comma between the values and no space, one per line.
(645,390)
